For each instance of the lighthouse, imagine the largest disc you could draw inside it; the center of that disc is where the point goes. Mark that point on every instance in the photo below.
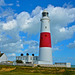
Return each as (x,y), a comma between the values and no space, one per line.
(45,49)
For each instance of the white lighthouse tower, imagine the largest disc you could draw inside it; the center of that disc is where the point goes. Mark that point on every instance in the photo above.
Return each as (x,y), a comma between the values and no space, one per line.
(45,50)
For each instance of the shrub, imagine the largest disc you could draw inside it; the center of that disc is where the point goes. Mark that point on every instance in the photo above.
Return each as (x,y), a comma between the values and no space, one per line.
(19,61)
(38,65)
(67,73)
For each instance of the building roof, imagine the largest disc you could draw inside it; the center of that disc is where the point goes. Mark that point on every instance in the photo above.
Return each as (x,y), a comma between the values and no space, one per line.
(1,54)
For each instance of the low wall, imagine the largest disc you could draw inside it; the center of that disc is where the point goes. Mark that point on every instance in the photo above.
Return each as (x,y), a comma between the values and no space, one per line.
(34,65)
(6,63)
(20,64)
(46,65)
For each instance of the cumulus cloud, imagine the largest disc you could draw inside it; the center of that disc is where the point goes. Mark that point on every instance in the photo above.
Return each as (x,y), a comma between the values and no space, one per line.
(11,4)
(38,9)
(59,23)
(2,3)
(12,47)
(60,18)
(13,54)
(55,49)
(68,32)
(71,45)
(69,5)
(6,13)
(9,25)
(17,4)
(32,48)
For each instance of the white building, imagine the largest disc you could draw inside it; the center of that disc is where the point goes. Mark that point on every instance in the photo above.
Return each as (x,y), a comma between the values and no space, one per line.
(3,57)
(28,59)
(64,64)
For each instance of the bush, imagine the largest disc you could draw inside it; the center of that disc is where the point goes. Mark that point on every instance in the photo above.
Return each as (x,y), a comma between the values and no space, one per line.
(19,61)
(67,73)
(38,65)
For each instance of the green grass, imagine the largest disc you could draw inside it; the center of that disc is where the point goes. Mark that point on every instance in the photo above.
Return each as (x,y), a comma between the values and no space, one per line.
(22,73)
(25,70)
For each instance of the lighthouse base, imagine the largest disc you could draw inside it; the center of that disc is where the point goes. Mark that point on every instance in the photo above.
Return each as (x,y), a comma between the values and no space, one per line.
(45,62)
(45,55)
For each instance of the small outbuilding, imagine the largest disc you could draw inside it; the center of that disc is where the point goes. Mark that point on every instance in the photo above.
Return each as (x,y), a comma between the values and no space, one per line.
(63,64)
(3,57)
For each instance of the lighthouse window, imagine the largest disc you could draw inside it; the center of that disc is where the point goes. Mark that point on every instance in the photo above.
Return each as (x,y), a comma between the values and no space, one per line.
(44,14)
(45,35)
(45,26)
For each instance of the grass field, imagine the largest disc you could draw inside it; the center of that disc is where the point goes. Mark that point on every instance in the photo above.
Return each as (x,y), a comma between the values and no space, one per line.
(24,70)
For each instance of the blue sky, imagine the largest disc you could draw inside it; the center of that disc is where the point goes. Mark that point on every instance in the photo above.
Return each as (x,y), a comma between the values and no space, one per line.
(20,27)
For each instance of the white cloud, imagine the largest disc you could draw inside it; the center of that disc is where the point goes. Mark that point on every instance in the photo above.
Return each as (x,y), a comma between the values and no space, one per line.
(17,1)
(55,49)
(59,33)
(21,45)
(22,20)
(38,9)
(71,45)
(11,47)
(11,55)
(11,4)
(18,5)
(9,25)
(62,29)
(60,18)
(32,48)
(10,18)
(2,3)
(5,13)
(68,5)
(0,39)
(30,23)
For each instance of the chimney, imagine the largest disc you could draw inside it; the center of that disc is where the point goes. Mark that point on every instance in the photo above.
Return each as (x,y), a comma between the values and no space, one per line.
(21,54)
(32,54)
(27,54)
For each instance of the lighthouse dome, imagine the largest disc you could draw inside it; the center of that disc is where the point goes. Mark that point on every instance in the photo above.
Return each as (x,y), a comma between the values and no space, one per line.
(44,13)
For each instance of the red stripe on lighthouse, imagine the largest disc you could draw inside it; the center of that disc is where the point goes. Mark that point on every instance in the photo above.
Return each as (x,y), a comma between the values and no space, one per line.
(45,39)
